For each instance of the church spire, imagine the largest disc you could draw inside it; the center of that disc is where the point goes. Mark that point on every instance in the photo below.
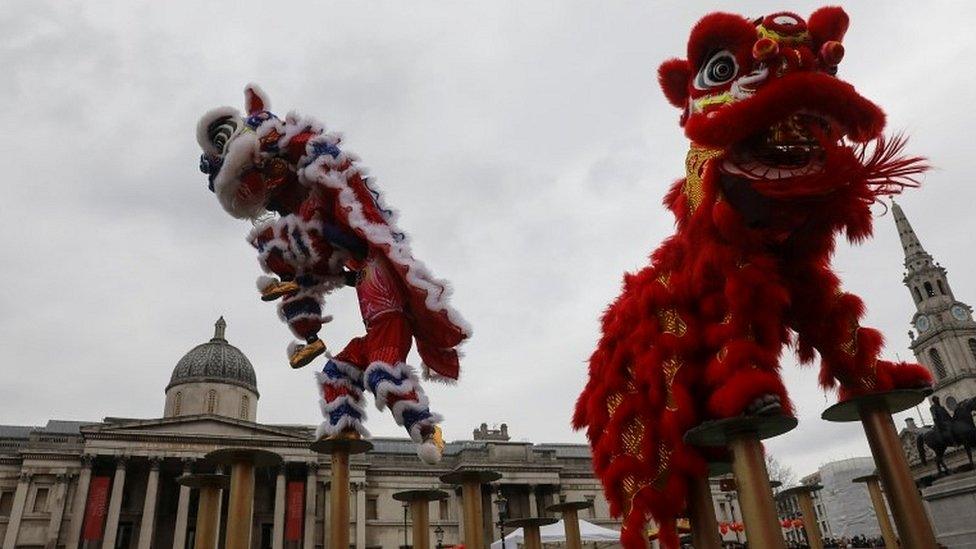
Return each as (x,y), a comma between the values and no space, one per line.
(915,254)
(219,328)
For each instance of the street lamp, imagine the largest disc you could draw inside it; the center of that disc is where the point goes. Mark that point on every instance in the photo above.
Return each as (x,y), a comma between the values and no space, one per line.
(439,534)
(502,505)
(729,496)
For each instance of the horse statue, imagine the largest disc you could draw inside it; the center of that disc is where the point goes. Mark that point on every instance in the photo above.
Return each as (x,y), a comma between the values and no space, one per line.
(961,431)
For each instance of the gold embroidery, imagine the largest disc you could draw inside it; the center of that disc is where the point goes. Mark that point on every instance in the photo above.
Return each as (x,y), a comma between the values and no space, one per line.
(663,466)
(671,322)
(722,353)
(631,488)
(850,346)
(694,168)
(632,437)
(613,400)
(671,367)
(664,278)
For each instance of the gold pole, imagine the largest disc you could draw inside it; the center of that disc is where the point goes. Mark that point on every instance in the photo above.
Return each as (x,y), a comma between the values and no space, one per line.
(810,523)
(533,540)
(571,525)
(208,518)
(339,501)
(701,513)
(240,507)
(755,495)
(881,510)
(474,530)
(906,504)
(419,511)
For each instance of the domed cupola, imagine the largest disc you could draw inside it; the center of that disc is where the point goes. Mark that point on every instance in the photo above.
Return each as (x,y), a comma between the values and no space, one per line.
(213,378)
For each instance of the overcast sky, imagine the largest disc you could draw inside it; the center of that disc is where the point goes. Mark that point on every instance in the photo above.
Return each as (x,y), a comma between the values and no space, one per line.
(526,144)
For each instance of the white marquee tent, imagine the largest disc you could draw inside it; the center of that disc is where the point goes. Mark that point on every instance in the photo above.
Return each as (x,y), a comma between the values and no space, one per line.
(555,534)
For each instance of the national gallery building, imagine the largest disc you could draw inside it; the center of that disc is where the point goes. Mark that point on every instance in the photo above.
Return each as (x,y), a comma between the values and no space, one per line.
(111,484)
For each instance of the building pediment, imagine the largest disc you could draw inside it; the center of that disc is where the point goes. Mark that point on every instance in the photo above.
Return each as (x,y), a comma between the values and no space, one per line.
(197,426)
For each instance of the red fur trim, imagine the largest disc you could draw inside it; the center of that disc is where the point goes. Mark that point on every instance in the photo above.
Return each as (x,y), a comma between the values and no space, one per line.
(742,388)
(674,76)
(810,91)
(828,23)
(720,30)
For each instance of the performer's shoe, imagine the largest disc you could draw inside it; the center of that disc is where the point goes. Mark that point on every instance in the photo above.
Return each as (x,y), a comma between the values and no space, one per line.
(766,405)
(279,289)
(306,353)
(431,450)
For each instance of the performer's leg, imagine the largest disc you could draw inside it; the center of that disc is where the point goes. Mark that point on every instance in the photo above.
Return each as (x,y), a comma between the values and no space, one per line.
(303,313)
(744,324)
(827,320)
(396,385)
(271,241)
(342,402)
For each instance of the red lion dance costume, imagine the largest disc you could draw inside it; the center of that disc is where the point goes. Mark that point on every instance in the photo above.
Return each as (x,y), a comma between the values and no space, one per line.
(779,164)
(328,227)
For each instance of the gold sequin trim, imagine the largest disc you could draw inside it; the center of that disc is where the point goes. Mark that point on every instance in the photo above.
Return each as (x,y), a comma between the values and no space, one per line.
(694,168)
(850,346)
(632,437)
(613,400)
(663,466)
(664,278)
(671,367)
(671,322)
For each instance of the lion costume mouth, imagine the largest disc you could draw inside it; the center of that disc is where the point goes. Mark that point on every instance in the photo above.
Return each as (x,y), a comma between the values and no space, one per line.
(792,147)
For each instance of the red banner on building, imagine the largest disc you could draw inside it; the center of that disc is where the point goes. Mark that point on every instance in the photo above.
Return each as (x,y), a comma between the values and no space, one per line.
(294,509)
(95,508)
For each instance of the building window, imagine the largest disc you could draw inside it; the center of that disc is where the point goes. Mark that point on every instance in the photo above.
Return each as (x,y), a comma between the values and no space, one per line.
(178,403)
(444,510)
(211,401)
(372,509)
(940,369)
(928,290)
(592,501)
(6,503)
(40,501)
(941,287)
(918,294)
(244,406)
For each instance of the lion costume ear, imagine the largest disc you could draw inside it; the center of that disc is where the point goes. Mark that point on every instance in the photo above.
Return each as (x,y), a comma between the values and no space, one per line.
(828,24)
(674,75)
(255,100)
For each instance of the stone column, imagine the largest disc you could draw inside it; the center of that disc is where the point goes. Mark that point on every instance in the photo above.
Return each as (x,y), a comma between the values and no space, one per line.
(81,499)
(17,511)
(361,515)
(278,530)
(459,513)
(149,505)
(493,511)
(533,504)
(325,516)
(56,504)
(308,532)
(115,504)
(182,509)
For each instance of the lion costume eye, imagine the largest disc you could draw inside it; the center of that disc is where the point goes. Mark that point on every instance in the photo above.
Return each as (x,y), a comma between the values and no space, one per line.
(220,131)
(720,68)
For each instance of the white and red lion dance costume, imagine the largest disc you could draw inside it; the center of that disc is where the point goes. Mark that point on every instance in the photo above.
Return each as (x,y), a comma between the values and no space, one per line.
(320,223)
(784,155)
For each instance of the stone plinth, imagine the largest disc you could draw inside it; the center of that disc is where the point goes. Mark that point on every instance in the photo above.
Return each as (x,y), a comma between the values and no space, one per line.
(951,503)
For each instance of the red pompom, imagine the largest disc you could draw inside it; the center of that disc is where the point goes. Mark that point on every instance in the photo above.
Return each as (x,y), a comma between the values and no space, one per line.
(765,49)
(831,53)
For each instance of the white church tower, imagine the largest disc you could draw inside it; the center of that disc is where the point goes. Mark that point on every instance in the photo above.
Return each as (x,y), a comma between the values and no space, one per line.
(944,339)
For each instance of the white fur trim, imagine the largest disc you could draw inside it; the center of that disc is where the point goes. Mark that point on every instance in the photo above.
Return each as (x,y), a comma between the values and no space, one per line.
(213,114)
(326,429)
(265,281)
(294,347)
(257,91)
(357,403)
(240,156)
(402,372)
(429,453)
